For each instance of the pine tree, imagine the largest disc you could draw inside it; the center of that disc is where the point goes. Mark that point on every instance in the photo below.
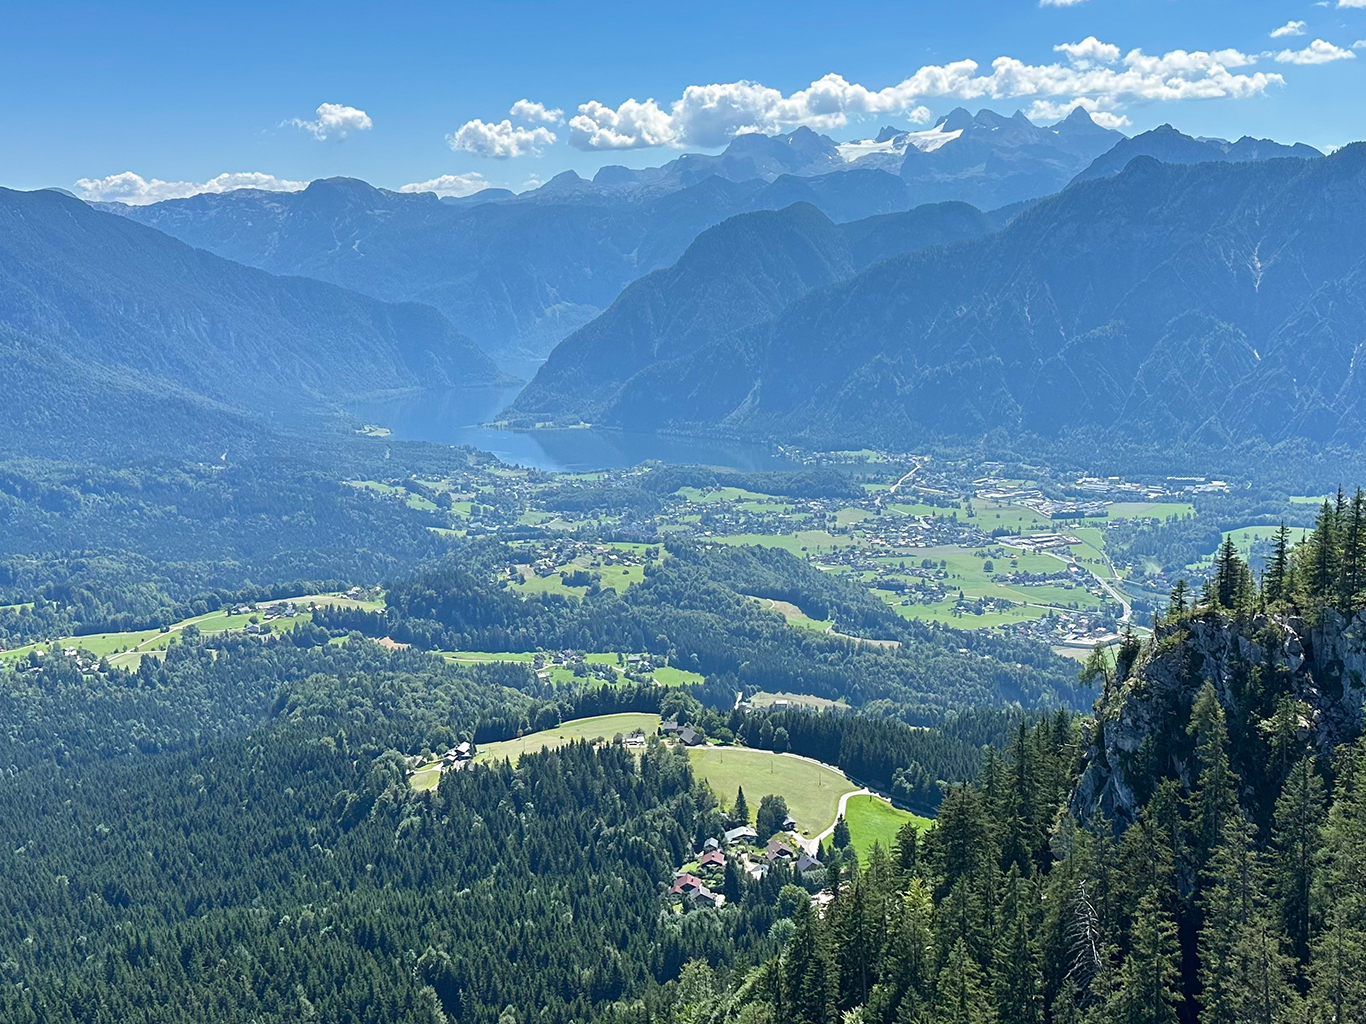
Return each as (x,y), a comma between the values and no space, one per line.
(1148,990)
(1274,580)
(1298,820)
(907,846)
(841,833)
(1214,799)
(740,812)
(1337,991)
(1017,977)
(1323,569)
(961,996)
(1177,602)
(1244,974)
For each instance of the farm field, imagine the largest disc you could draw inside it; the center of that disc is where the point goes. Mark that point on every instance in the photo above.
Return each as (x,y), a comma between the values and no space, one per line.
(1150,509)
(598,727)
(811,790)
(873,820)
(800,544)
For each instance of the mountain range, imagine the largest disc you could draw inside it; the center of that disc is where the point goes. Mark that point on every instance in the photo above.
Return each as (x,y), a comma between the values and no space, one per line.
(1211,301)
(518,273)
(111,329)
(734,276)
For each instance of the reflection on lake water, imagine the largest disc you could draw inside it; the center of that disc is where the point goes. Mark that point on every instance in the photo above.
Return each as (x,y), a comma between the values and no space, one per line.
(453,417)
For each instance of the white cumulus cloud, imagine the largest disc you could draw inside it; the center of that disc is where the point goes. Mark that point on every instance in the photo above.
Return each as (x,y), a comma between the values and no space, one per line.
(1360,44)
(334,121)
(1060,3)
(1352,3)
(1317,52)
(1095,74)
(1044,111)
(500,140)
(450,185)
(1290,28)
(135,190)
(530,110)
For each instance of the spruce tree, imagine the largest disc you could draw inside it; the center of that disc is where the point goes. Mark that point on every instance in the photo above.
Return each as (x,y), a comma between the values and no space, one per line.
(1274,580)
(1149,983)
(740,812)
(1338,969)
(1016,976)
(961,996)
(1298,820)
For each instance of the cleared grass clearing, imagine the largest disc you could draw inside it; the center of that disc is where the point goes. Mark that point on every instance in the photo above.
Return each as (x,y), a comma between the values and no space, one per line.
(849,516)
(811,790)
(764,699)
(873,820)
(599,727)
(801,543)
(719,494)
(794,615)
(1150,509)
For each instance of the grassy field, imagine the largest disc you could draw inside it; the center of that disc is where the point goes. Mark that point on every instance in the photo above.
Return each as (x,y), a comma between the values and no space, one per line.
(1150,509)
(794,615)
(812,791)
(599,727)
(800,543)
(1244,538)
(873,820)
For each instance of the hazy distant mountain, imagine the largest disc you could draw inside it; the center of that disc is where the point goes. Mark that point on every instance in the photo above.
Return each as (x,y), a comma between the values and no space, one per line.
(734,275)
(1170,146)
(516,274)
(100,316)
(1210,302)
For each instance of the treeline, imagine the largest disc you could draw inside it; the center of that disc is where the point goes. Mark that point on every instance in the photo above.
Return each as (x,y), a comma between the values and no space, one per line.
(79,609)
(910,765)
(58,715)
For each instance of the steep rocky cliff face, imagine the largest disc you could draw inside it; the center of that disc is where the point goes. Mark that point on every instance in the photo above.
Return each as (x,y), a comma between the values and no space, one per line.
(1271,674)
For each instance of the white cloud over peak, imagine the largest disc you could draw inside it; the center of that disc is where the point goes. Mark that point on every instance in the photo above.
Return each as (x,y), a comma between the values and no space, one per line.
(334,121)
(136,190)
(530,110)
(450,185)
(1317,52)
(1094,74)
(1045,111)
(500,140)
(1290,28)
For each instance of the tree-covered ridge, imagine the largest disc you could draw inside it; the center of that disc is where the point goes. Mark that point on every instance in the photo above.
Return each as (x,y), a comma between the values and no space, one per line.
(696,608)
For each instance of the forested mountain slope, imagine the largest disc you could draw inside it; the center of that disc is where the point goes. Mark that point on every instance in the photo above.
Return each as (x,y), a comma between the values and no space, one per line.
(733,276)
(105,318)
(1218,302)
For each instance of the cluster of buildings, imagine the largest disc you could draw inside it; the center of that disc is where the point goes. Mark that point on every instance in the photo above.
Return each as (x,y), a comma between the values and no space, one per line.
(698,887)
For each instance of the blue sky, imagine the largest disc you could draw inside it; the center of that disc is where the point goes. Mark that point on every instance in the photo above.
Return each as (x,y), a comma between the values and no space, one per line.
(412,92)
